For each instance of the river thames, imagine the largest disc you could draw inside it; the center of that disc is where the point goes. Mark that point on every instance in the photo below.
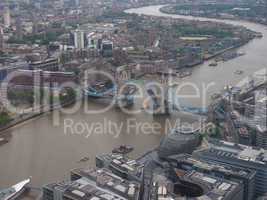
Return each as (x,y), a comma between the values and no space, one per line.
(46,152)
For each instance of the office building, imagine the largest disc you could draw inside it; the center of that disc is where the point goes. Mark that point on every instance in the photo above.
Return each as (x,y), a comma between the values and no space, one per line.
(39,78)
(50,64)
(261,137)
(7,18)
(94,40)
(19,31)
(1,38)
(3,74)
(77,3)
(95,184)
(79,41)
(166,180)
(244,176)
(107,48)
(7,69)
(121,166)
(61,3)
(239,156)
(261,118)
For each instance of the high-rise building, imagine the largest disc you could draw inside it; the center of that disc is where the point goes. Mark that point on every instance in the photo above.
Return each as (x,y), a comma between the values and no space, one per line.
(6,16)
(261,118)
(18,28)
(62,2)
(1,38)
(94,40)
(26,1)
(261,137)
(107,48)
(240,156)
(77,3)
(79,39)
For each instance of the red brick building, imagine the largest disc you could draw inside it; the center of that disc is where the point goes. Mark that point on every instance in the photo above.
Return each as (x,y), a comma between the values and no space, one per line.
(30,78)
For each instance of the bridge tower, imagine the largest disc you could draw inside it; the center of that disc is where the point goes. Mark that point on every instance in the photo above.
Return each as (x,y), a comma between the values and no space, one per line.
(160,96)
(122,76)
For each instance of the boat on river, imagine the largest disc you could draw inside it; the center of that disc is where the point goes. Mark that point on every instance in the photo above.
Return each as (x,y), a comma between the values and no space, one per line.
(14,191)
(123,149)
(84,159)
(184,74)
(239,72)
(215,96)
(258,35)
(213,64)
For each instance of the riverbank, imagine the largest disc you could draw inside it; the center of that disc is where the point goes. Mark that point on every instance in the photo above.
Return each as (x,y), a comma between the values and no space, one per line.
(27,117)
(168,9)
(216,54)
(224,51)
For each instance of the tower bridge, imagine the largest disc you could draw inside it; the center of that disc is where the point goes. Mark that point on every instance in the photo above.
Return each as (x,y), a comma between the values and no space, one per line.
(167,102)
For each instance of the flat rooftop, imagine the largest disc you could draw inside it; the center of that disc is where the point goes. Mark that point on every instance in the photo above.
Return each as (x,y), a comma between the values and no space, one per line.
(123,163)
(98,184)
(192,184)
(238,151)
(219,189)
(196,163)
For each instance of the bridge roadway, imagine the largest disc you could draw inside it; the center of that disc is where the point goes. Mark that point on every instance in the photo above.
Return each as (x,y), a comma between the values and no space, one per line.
(174,105)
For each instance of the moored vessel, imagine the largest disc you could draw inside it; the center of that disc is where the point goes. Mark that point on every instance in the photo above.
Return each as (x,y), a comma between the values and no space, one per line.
(123,149)
(14,191)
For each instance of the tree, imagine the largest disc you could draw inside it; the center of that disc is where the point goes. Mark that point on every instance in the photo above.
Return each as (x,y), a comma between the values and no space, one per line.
(4,118)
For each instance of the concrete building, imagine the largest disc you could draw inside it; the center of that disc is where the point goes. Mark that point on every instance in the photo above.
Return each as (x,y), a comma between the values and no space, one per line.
(244,176)
(7,18)
(261,137)
(239,156)
(107,48)
(261,118)
(39,78)
(3,73)
(94,40)
(61,3)
(95,184)
(1,38)
(19,31)
(121,166)
(244,136)
(195,185)
(77,3)
(7,69)
(50,64)
(79,41)
(173,180)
